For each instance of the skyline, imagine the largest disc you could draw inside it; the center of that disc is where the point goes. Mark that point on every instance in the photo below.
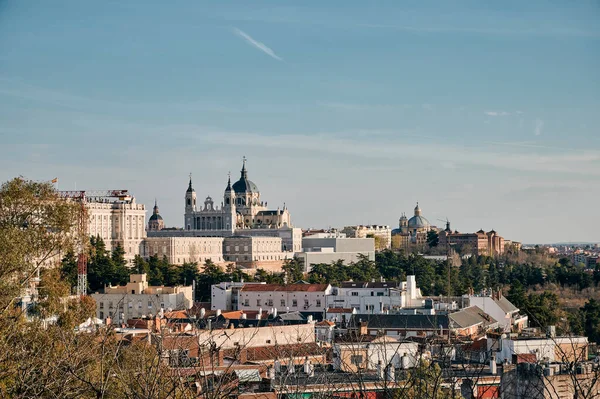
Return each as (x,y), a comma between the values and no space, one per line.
(350,115)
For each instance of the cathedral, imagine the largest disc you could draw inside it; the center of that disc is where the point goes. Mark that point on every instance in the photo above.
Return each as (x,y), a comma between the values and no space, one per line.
(241,209)
(412,232)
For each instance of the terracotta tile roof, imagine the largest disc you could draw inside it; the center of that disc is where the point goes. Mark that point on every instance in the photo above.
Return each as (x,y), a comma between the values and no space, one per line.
(325,323)
(339,310)
(288,288)
(237,315)
(177,314)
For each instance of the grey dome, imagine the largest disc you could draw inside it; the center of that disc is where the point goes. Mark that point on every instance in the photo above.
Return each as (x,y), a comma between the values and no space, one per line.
(156,216)
(418,222)
(244,185)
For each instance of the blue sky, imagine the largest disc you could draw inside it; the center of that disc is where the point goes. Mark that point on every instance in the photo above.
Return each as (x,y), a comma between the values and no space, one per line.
(349,111)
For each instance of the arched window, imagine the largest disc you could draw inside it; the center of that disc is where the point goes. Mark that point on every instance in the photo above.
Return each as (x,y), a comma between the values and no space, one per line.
(189,202)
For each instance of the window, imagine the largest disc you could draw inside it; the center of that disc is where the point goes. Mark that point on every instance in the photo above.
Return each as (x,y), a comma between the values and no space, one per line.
(101,305)
(102,315)
(149,304)
(357,360)
(283,302)
(354,293)
(380,294)
(258,302)
(129,305)
(268,341)
(139,304)
(246,302)
(269,302)
(132,292)
(318,303)
(306,303)
(110,305)
(294,302)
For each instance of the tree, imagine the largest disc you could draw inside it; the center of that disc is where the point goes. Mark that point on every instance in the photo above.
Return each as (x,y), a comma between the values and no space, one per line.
(68,269)
(36,227)
(433,238)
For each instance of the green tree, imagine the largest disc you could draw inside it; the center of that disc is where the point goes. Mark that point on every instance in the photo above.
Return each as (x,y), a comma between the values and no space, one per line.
(68,269)
(433,238)
(36,225)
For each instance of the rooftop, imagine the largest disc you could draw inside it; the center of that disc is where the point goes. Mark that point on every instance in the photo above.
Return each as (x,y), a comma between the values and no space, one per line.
(288,288)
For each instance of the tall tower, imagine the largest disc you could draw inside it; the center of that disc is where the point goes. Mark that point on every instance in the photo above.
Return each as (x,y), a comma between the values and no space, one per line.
(229,209)
(190,206)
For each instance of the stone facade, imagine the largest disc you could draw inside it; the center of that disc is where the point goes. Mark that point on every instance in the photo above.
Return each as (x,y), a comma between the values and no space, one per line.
(137,299)
(479,243)
(179,250)
(255,252)
(241,208)
(118,223)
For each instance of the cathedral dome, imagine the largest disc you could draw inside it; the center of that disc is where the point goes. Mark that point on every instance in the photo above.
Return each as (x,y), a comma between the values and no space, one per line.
(156,216)
(418,221)
(244,185)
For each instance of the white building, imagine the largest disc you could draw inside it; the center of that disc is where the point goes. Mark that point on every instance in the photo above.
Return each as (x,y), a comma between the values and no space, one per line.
(288,298)
(317,250)
(367,297)
(555,349)
(375,354)
(500,309)
(224,296)
(137,299)
(382,233)
(376,297)
(118,222)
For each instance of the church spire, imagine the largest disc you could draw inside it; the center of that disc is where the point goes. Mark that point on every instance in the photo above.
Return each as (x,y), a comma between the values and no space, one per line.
(155,210)
(190,188)
(244,171)
(228,188)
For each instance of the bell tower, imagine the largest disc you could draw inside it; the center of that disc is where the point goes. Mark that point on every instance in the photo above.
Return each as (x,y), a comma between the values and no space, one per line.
(190,206)
(229,209)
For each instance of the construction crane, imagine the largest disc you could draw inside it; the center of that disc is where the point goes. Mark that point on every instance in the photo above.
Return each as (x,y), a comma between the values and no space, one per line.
(83,197)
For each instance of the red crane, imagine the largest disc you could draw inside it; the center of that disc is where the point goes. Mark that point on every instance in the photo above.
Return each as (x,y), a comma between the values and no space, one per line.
(84,197)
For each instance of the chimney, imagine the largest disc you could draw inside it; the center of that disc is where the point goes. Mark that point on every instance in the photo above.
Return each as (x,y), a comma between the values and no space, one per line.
(274,312)
(244,316)
(307,366)
(277,366)
(309,319)
(202,313)
(390,372)
(218,312)
(271,373)
(493,367)
(363,328)
(380,371)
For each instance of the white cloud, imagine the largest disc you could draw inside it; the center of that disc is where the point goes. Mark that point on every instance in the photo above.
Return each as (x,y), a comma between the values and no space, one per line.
(261,46)
(539,127)
(497,113)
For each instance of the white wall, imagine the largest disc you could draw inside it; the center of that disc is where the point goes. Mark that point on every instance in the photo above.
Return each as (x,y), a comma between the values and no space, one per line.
(259,336)
(316,300)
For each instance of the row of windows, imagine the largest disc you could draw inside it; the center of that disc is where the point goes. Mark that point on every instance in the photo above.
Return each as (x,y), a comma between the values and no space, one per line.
(130,304)
(269,302)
